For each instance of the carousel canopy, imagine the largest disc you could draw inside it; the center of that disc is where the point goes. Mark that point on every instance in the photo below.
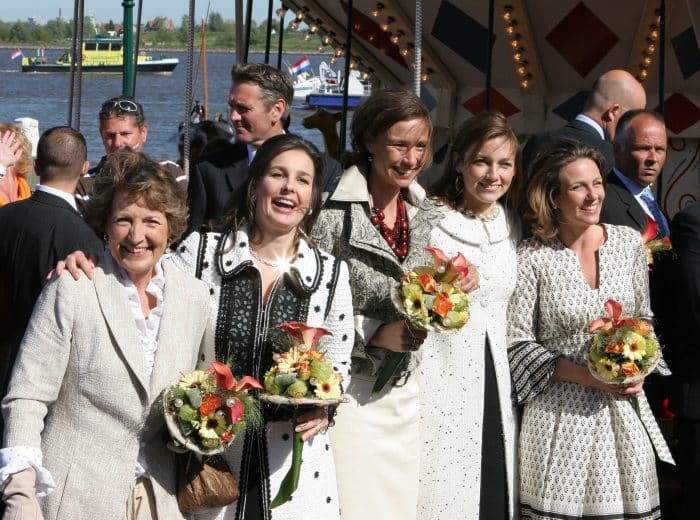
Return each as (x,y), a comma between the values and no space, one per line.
(540,59)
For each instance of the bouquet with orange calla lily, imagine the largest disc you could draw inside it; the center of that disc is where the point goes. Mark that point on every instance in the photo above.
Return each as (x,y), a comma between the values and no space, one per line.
(624,348)
(652,244)
(206,409)
(431,299)
(301,377)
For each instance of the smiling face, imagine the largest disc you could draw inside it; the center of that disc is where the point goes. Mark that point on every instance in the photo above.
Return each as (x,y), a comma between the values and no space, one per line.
(581,194)
(252,120)
(137,236)
(488,175)
(643,153)
(398,154)
(119,132)
(284,194)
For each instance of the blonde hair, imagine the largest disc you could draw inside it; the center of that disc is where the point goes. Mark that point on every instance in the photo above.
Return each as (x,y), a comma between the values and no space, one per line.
(22,167)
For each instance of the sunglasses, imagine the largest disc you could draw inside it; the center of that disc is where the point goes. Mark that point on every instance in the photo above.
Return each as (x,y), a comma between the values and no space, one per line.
(124,105)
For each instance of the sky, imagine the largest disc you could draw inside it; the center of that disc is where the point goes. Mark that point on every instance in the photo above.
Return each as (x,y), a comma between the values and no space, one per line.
(104,10)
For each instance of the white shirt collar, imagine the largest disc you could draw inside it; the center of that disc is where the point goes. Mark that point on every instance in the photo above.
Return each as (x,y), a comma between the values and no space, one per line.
(68,197)
(636,190)
(590,122)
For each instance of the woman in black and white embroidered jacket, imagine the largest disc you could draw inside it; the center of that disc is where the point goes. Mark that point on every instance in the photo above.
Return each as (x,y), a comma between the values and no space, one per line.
(263,270)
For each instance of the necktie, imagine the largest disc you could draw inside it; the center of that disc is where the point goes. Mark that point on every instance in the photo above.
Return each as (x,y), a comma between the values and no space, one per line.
(656,212)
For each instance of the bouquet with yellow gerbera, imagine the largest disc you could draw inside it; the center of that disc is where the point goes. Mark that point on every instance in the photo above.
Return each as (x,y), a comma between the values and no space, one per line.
(206,409)
(431,299)
(624,349)
(301,377)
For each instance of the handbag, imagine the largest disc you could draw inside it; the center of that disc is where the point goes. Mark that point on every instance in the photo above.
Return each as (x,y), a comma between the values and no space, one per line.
(204,483)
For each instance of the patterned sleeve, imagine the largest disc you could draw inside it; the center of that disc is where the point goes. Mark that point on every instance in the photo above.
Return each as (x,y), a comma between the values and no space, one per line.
(531,364)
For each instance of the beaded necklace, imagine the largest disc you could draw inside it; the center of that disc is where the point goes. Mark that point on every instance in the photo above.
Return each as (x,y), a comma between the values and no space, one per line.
(396,237)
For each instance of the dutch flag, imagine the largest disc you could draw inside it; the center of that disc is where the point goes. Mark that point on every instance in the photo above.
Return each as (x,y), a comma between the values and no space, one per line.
(16,54)
(301,65)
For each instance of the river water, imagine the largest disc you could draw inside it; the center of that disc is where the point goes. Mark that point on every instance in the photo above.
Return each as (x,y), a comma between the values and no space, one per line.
(45,97)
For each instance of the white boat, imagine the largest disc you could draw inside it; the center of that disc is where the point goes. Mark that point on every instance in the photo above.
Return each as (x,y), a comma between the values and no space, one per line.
(326,88)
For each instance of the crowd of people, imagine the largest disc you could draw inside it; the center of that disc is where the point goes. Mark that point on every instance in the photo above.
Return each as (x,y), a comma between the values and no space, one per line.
(159,271)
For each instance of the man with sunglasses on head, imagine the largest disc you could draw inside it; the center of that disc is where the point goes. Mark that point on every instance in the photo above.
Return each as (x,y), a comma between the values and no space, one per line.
(122,125)
(259,102)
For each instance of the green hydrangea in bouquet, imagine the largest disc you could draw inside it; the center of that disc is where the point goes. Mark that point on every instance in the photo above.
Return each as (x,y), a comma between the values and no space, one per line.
(206,409)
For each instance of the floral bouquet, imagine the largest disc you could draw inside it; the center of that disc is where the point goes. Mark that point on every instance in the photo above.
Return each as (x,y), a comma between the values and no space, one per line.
(624,349)
(300,376)
(206,409)
(431,299)
(652,244)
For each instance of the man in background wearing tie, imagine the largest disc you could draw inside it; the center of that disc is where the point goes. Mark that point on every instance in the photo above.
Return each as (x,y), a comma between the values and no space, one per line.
(640,154)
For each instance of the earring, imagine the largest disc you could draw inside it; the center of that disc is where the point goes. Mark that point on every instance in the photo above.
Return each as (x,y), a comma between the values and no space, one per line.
(458,184)
(105,238)
(370,158)
(253,198)
(310,211)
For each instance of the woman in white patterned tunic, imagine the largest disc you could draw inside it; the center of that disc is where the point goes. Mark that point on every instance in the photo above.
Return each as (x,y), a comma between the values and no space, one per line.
(584,452)
(471,365)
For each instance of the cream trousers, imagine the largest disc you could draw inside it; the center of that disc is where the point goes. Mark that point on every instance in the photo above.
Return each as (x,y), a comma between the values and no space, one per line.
(141,503)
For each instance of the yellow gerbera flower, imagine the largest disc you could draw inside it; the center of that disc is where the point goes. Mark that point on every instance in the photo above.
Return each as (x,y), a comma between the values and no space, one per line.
(634,346)
(212,427)
(607,369)
(193,379)
(329,389)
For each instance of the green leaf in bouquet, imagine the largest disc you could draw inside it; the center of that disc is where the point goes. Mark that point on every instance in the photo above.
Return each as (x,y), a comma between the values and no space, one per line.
(185,427)
(194,396)
(429,300)
(290,482)
(651,346)
(251,410)
(386,371)
(284,380)
(460,302)
(270,384)
(177,392)
(321,370)
(210,443)
(298,389)
(595,353)
(456,319)
(187,413)
(412,291)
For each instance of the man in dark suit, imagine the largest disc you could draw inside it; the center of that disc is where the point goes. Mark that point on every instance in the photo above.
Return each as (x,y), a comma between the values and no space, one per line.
(685,352)
(613,93)
(260,99)
(640,154)
(37,233)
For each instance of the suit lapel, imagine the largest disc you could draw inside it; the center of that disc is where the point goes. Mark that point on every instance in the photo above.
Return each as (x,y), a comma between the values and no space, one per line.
(236,174)
(115,309)
(633,209)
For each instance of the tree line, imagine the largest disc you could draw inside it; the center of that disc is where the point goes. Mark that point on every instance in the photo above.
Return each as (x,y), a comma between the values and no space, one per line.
(220,34)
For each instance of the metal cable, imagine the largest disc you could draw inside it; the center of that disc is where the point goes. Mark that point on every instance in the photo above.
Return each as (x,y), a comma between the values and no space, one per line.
(419,47)
(79,69)
(188,90)
(72,63)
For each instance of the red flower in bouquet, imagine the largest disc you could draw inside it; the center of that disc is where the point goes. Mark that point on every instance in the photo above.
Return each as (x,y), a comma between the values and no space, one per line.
(449,268)
(616,321)
(652,244)
(304,334)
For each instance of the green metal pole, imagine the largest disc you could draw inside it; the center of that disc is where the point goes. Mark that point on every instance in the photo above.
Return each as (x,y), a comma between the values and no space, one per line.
(128,59)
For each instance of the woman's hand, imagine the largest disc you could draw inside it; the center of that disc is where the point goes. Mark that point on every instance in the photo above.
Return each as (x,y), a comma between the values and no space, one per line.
(398,336)
(632,390)
(312,423)
(470,282)
(566,370)
(10,148)
(76,263)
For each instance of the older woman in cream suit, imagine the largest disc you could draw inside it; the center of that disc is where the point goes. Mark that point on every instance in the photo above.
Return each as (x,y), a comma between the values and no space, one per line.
(83,429)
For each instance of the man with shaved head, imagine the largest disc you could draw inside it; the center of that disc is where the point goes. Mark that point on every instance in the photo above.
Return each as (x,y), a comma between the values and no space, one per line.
(37,233)
(613,94)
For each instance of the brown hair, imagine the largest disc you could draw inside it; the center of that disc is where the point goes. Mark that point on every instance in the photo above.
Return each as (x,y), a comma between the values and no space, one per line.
(60,154)
(544,184)
(136,175)
(241,207)
(379,112)
(24,164)
(274,84)
(470,137)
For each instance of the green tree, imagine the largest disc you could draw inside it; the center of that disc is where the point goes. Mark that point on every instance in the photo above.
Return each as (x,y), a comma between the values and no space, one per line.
(216,22)
(110,25)
(18,33)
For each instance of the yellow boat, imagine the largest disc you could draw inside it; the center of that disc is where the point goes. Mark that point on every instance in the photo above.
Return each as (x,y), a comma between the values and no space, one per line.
(99,55)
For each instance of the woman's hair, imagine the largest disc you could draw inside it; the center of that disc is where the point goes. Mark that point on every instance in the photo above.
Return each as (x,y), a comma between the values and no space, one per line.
(240,210)
(540,211)
(137,176)
(379,112)
(470,137)
(24,164)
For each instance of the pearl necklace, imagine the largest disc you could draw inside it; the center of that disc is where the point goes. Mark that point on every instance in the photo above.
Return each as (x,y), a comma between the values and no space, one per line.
(396,237)
(262,260)
(489,216)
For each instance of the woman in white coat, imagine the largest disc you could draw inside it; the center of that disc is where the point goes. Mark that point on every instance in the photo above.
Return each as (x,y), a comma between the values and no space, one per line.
(467,421)
(83,428)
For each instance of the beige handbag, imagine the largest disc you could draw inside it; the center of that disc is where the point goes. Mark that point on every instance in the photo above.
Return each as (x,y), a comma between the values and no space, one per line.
(203,484)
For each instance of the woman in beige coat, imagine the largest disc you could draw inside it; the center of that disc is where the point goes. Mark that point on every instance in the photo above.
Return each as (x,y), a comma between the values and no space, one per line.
(83,430)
